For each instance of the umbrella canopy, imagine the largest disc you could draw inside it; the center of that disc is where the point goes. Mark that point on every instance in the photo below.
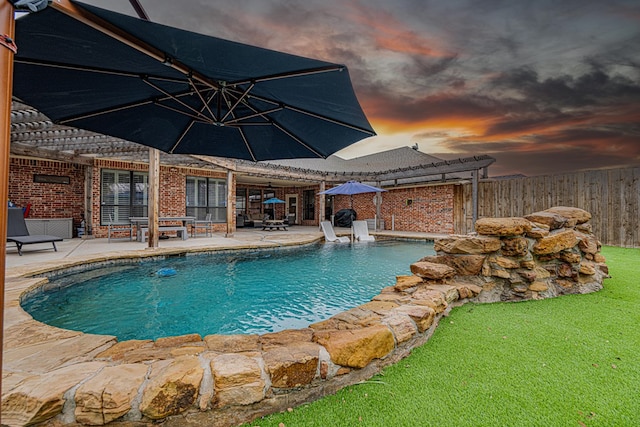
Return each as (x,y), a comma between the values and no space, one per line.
(183,92)
(352,187)
(273,200)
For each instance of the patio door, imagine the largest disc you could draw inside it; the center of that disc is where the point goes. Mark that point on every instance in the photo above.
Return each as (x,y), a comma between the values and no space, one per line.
(292,208)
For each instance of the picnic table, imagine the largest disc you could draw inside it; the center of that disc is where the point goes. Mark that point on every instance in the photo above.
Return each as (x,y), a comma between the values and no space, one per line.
(272,224)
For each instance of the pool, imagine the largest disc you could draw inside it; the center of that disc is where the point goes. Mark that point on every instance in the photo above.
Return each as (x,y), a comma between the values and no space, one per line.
(224,293)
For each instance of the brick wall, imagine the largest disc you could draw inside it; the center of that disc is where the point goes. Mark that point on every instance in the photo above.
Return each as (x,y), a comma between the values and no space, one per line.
(425,209)
(172,189)
(47,200)
(428,209)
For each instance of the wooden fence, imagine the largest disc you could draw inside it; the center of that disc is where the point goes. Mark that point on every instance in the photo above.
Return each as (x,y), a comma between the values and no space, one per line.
(611,195)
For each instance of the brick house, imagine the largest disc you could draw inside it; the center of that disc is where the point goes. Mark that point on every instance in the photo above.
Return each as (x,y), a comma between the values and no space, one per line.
(69,173)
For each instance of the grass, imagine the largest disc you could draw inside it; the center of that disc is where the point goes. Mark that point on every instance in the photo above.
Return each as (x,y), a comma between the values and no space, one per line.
(568,361)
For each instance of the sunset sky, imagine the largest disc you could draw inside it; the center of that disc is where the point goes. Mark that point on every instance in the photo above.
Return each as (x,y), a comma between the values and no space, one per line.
(543,86)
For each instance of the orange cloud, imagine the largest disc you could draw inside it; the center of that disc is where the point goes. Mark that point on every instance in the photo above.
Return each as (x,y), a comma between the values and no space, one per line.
(391,34)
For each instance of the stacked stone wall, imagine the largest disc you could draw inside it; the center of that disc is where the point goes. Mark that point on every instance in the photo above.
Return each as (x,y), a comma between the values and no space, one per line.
(225,380)
(542,255)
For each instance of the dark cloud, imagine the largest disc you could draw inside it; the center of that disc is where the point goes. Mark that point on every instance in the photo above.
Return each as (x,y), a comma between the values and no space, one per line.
(532,83)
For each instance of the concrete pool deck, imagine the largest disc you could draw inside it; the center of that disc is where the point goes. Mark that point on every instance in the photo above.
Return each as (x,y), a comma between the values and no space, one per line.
(42,362)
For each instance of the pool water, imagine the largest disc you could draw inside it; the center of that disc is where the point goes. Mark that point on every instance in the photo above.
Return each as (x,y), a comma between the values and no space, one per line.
(225,293)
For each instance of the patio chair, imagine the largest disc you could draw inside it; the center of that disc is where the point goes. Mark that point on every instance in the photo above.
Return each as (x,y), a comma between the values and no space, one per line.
(206,223)
(18,233)
(115,227)
(330,235)
(361,231)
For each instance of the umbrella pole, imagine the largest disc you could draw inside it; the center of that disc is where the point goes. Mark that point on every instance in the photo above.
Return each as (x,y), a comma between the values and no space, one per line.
(7,27)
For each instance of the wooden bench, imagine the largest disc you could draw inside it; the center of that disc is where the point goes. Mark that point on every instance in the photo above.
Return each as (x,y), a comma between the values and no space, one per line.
(274,224)
(181,231)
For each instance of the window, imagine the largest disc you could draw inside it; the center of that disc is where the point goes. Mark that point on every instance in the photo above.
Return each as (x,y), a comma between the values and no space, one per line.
(309,203)
(124,194)
(207,195)
(241,200)
(255,201)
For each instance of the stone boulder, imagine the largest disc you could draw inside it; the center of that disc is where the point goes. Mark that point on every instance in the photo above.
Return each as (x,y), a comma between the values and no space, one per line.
(406,282)
(356,348)
(173,387)
(431,298)
(232,343)
(238,380)
(286,337)
(465,265)
(402,326)
(552,221)
(515,246)
(555,243)
(120,350)
(108,396)
(472,245)
(293,365)
(431,270)
(422,315)
(580,216)
(178,340)
(513,226)
(588,243)
(39,398)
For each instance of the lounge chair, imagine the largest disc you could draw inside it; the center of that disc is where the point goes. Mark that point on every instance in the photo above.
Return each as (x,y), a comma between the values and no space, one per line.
(118,227)
(361,231)
(330,235)
(18,233)
(206,224)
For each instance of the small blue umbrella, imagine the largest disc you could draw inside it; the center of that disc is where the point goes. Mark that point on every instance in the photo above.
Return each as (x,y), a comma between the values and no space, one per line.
(273,201)
(350,188)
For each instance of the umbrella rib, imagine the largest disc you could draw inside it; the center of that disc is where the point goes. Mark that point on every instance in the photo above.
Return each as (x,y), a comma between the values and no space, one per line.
(50,64)
(195,118)
(330,120)
(120,108)
(238,120)
(179,140)
(159,89)
(190,125)
(242,135)
(299,73)
(298,140)
(204,103)
(311,114)
(238,101)
(259,113)
(246,143)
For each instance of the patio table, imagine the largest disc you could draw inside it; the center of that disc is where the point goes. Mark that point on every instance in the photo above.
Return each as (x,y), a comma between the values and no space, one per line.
(141,221)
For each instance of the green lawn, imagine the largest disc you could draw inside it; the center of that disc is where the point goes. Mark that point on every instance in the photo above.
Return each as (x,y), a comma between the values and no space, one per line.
(568,361)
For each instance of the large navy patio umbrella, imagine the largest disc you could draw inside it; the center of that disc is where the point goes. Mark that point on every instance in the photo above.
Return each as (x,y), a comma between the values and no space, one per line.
(182,92)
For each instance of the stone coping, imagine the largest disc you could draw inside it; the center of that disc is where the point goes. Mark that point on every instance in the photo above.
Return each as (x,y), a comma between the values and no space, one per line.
(47,370)
(55,377)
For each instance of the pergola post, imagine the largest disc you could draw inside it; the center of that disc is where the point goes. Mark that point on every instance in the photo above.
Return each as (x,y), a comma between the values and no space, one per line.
(322,202)
(7,29)
(231,202)
(153,196)
(474,191)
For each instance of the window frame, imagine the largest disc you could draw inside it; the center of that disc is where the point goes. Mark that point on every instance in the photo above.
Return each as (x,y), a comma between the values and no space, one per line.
(122,206)
(204,195)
